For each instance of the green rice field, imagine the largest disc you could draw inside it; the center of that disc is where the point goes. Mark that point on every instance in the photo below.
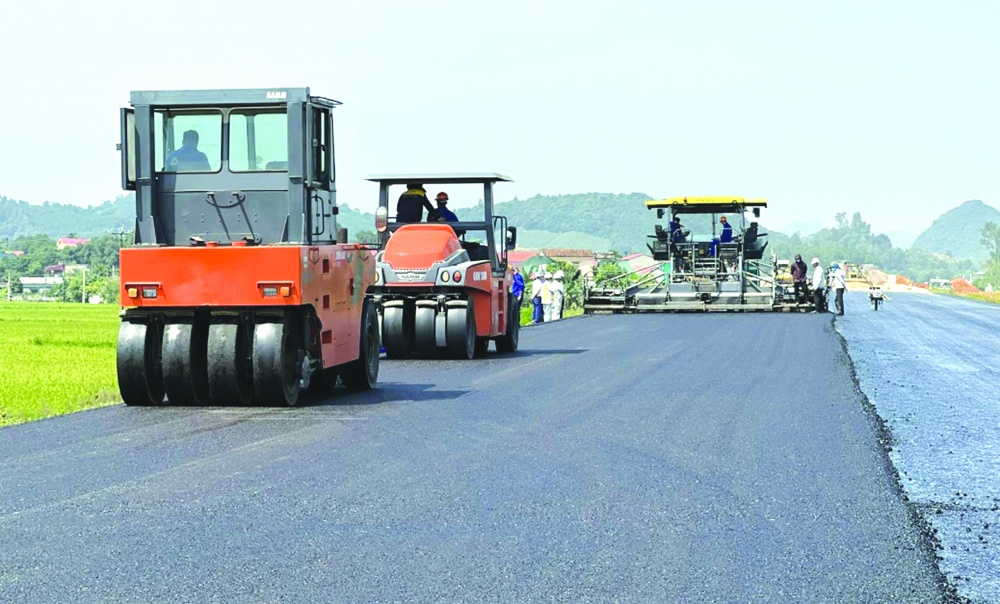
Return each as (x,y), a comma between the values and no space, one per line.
(56,359)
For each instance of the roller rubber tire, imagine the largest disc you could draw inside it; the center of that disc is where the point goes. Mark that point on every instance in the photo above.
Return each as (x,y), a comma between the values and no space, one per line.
(423,332)
(508,341)
(185,371)
(275,362)
(460,331)
(140,380)
(397,339)
(229,371)
(363,373)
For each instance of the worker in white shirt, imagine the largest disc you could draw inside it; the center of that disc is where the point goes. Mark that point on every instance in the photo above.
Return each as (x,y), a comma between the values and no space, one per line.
(547,296)
(839,285)
(558,293)
(537,315)
(817,286)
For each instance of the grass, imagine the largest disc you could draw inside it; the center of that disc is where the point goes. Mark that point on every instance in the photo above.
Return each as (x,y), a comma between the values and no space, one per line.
(56,359)
(993,297)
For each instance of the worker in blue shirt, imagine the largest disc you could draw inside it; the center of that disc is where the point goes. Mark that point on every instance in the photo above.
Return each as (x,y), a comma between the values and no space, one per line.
(188,158)
(517,289)
(442,203)
(727,230)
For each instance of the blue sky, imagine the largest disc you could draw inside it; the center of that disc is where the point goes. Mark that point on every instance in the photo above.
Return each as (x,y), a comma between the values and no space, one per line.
(886,108)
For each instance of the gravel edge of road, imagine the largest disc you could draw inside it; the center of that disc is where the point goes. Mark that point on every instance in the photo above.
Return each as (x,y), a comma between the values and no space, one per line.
(886,440)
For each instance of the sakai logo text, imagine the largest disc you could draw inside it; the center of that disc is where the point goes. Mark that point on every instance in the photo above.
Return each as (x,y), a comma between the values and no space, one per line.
(277,94)
(479,275)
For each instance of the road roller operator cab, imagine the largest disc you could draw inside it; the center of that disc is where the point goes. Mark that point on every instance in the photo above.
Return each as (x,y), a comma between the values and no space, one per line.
(238,287)
(443,288)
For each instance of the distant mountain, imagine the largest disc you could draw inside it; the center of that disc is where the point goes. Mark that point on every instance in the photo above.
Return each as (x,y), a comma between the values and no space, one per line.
(957,232)
(613,221)
(19,218)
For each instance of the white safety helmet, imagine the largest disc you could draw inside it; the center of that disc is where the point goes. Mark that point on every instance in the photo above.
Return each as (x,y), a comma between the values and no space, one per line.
(548,275)
(559,275)
(815,261)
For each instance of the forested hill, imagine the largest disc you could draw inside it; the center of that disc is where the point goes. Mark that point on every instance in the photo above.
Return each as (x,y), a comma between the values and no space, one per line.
(957,232)
(620,219)
(19,218)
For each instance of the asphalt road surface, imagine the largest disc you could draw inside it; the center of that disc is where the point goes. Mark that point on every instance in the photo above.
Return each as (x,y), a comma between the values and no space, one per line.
(646,458)
(930,365)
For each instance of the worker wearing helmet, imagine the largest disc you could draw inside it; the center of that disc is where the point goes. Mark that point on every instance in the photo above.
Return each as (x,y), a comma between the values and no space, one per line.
(442,208)
(411,204)
(727,230)
(800,275)
(817,286)
(547,296)
(537,312)
(839,285)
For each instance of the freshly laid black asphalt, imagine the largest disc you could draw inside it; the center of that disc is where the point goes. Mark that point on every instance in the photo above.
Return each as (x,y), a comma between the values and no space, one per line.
(646,458)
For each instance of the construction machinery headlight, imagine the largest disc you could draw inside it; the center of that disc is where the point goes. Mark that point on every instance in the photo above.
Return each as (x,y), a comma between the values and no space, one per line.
(378,276)
(149,292)
(445,277)
(457,275)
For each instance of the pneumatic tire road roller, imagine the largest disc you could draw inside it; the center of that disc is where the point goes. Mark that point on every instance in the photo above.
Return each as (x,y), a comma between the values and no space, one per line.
(237,289)
(443,288)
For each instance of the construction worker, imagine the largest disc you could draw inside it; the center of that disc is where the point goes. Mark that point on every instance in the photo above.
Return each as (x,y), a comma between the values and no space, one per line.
(558,293)
(411,204)
(547,296)
(517,289)
(188,158)
(839,285)
(442,203)
(800,275)
(817,286)
(727,230)
(537,316)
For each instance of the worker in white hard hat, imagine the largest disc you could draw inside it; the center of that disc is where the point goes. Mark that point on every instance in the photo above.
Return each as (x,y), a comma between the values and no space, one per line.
(547,296)
(537,313)
(839,285)
(817,286)
(558,292)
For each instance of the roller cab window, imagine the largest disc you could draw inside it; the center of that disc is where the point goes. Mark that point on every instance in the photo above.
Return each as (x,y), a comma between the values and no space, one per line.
(258,141)
(189,141)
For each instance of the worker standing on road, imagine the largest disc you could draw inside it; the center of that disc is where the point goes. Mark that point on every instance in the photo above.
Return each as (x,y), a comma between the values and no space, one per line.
(411,204)
(442,203)
(558,292)
(536,299)
(547,296)
(817,286)
(839,285)
(800,275)
(517,289)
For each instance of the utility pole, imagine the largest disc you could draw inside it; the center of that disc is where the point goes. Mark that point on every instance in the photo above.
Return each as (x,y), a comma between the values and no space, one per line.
(8,286)
(83,290)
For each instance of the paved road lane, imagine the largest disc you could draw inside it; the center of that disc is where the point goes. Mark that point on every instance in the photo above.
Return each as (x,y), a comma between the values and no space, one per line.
(632,458)
(931,365)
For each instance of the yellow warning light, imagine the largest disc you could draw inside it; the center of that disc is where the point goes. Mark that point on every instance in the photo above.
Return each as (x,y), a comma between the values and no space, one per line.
(133,292)
(286,291)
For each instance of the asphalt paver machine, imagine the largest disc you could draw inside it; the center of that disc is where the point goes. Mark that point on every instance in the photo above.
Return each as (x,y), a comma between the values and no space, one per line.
(236,289)
(443,289)
(701,270)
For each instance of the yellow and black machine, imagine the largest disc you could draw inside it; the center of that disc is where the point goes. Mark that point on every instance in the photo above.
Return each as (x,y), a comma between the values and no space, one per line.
(713,260)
